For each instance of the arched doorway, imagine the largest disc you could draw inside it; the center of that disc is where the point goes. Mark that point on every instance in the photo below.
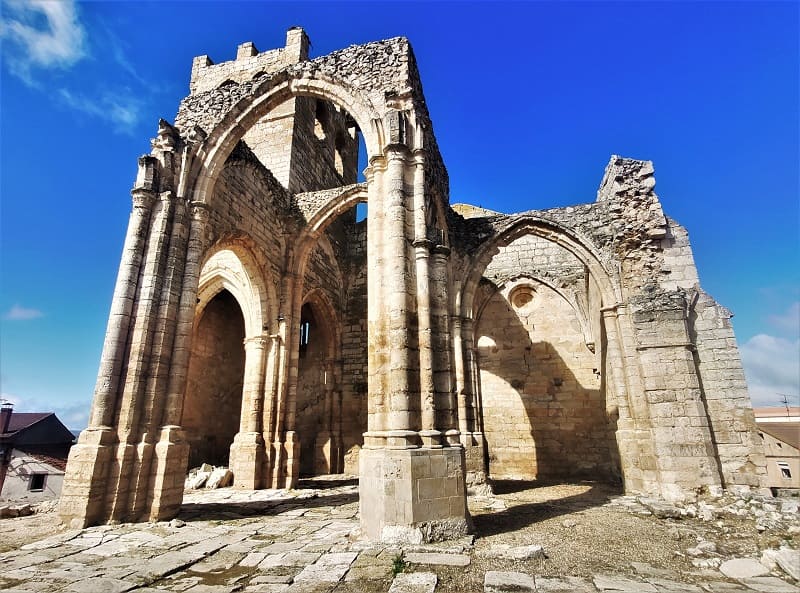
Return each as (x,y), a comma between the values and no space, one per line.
(318,396)
(213,402)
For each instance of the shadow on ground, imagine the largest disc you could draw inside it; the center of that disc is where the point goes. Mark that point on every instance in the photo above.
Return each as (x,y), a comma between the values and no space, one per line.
(521,513)
(222,510)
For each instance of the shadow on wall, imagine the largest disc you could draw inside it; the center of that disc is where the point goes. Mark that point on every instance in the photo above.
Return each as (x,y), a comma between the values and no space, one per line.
(542,394)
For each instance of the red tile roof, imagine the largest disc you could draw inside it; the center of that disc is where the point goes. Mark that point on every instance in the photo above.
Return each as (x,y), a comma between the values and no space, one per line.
(52,456)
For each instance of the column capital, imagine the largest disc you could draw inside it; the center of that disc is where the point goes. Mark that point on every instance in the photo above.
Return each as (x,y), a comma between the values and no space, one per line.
(143,198)
(442,251)
(422,244)
(256,341)
(200,211)
(397,152)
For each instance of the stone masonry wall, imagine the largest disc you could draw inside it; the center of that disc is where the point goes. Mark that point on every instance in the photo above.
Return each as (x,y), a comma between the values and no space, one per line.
(270,139)
(543,408)
(354,350)
(722,380)
(249,201)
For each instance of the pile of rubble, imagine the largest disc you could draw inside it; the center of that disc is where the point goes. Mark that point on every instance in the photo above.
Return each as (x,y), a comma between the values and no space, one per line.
(10,510)
(208,476)
(723,510)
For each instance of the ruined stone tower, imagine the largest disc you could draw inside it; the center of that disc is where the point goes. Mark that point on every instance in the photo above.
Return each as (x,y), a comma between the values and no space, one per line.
(258,322)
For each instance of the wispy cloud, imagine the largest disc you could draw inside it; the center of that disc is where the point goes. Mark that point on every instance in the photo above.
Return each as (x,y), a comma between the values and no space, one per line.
(119,108)
(789,322)
(41,35)
(772,367)
(20,313)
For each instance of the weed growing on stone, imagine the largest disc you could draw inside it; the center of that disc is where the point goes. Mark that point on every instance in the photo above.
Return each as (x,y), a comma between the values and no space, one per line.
(398,564)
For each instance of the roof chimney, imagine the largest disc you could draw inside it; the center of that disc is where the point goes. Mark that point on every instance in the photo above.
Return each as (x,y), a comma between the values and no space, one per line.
(5,416)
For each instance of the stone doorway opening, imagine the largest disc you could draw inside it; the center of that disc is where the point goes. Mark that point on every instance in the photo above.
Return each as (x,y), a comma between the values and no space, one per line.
(213,402)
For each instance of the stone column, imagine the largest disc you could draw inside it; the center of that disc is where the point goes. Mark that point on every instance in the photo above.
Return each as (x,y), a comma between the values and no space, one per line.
(461,387)
(113,356)
(83,494)
(278,450)
(636,459)
(378,362)
(475,447)
(172,450)
(161,355)
(431,437)
(447,419)
(247,451)
(121,480)
(403,415)
(407,493)
(186,312)
(270,404)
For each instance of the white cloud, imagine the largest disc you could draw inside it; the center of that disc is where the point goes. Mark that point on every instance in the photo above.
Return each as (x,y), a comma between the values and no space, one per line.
(19,313)
(772,367)
(789,322)
(41,34)
(121,109)
(74,416)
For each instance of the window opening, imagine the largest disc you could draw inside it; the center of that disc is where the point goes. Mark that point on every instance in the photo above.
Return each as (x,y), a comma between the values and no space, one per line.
(786,473)
(306,320)
(319,117)
(37,482)
(361,211)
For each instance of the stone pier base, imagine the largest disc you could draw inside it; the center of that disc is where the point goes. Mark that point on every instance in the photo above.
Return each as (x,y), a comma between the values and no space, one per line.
(82,501)
(413,495)
(171,463)
(247,460)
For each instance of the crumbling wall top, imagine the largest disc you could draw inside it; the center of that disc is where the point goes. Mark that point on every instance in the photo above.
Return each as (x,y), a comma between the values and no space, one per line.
(207,75)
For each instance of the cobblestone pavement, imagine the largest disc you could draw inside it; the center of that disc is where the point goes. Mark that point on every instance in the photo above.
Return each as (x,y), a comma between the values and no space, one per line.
(304,542)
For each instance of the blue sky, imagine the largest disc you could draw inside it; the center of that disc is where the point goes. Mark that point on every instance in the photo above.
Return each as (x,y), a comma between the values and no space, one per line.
(528,99)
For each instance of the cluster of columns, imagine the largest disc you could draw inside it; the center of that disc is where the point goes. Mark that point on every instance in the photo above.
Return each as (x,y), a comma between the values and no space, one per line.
(412,468)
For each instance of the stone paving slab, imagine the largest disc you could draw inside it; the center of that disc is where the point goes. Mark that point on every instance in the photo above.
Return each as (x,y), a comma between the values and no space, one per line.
(290,549)
(770,585)
(495,581)
(622,584)
(438,558)
(414,582)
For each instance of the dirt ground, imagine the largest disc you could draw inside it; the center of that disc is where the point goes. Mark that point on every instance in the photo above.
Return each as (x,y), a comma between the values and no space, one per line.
(582,535)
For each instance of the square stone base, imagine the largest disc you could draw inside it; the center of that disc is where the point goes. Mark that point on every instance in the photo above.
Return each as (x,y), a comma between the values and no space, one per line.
(413,495)
(83,494)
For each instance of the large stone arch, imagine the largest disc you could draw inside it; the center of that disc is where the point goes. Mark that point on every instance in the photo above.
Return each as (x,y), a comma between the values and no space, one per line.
(469,306)
(547,229)
(175,220)
(210,154)
(233,266)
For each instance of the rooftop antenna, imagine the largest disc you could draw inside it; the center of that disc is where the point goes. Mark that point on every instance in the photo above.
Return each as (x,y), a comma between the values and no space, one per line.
(785,402)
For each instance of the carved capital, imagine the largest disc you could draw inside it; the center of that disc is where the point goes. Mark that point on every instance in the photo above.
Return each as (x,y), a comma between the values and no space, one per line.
(200,211)
(142,198)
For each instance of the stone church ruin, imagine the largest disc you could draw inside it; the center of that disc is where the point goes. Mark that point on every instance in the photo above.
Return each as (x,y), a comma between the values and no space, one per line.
(258,322)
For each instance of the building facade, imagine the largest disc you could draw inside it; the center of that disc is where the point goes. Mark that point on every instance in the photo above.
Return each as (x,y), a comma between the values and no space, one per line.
(258,322)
